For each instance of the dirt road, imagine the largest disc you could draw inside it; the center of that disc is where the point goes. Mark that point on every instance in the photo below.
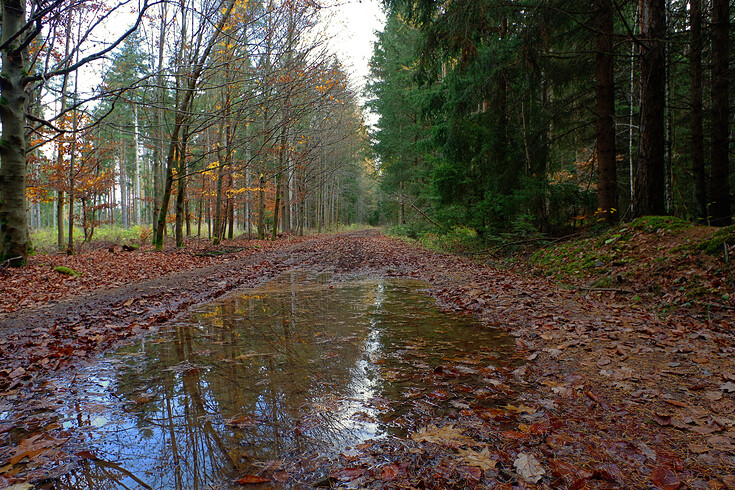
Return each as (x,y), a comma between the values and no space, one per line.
(609,395)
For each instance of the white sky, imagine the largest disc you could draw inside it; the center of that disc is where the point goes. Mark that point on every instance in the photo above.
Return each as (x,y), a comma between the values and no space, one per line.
(353,25)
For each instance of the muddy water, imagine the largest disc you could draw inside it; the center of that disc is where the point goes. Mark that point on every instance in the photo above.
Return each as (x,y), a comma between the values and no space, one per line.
(303,368)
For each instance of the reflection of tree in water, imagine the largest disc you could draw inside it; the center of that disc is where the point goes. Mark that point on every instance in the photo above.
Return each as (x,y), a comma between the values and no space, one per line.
(275,374)
(99,475)
(260,363)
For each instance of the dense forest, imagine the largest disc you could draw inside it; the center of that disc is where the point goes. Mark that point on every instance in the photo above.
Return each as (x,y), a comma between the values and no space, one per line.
(541,116)
(221,117)
(205,118)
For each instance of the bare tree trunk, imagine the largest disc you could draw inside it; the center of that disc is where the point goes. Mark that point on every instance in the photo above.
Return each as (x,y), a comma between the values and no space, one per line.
(697,130)
(60,155)
(607,186)
(181,118)
(248,223)
(123,190)
(72,164)
(649,178)
(181,190)
(136,196)
(720,210)
(60,219)
(157,116)
(276,206)
(261,207)
(13,220)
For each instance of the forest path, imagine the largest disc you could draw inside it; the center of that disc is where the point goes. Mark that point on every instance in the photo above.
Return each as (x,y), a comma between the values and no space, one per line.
(607,395)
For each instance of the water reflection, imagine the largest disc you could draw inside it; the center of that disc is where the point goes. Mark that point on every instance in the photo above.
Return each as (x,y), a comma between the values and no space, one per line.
(302,368)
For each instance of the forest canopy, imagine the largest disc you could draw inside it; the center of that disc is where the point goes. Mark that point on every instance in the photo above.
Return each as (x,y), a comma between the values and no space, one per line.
(218,117)
(529,115)
(202,117)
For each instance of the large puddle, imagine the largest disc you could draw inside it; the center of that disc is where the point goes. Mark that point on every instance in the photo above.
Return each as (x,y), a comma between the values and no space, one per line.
(301,369)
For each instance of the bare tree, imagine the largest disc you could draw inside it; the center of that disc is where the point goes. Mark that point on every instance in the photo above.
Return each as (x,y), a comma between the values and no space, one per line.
(23,22)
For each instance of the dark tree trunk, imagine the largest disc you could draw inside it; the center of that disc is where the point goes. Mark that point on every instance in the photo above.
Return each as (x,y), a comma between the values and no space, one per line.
(261,207)
(277,206)
(181,193)
(607,186)
(697,131)
(650,174)
(719,210)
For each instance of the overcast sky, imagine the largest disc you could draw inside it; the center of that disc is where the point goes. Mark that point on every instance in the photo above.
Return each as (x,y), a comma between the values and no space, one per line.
(353,25)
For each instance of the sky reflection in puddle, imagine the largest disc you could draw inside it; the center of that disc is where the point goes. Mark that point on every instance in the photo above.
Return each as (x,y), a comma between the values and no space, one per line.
(302,367)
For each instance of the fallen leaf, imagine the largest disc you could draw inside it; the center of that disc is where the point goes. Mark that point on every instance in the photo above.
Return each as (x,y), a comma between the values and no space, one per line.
(528,468)
(389,472)
(603,361)
(481,459)
(252,480)
(347,474)
(698,448)
(729,481)
(675,403)
(665,478)
(713,395)
(729,387)
(447,435)
(647,452)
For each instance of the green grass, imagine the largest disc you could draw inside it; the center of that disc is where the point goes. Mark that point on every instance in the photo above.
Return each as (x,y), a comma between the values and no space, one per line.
(45,239)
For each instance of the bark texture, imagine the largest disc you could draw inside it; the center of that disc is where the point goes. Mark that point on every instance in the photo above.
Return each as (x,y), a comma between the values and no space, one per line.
(695,94)
(720,211)
(607,185)
(649,196)
(13,222)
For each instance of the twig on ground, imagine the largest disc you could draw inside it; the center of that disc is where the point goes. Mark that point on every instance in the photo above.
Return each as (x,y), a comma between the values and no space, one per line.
(611,290)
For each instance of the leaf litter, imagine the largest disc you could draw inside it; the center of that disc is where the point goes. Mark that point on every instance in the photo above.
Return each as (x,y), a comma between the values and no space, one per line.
(611,393)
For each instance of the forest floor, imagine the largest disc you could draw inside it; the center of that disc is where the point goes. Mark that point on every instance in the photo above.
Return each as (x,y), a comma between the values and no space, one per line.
(626,365)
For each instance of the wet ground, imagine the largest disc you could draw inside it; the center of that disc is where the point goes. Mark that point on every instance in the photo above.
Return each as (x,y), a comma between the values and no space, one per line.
(305,369)
(596,393)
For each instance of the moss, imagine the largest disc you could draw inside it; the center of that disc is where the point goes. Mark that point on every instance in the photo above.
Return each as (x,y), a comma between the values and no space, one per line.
(67,271)
(715,245)
(652,224)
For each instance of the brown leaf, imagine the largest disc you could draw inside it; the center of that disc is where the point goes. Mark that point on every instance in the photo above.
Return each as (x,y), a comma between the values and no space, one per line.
(389,472)
(676,403)
(252,480)
(665,478)
(603,361)
(662,419)
(698,448)
(528,468)
(347,474)
(482,460)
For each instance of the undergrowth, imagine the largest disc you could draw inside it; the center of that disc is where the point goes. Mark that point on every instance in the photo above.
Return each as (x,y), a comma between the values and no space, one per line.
(45,239)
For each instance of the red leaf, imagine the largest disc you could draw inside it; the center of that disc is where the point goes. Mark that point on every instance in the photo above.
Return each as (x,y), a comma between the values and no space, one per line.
(252,480)
(389,472)
(665,478)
